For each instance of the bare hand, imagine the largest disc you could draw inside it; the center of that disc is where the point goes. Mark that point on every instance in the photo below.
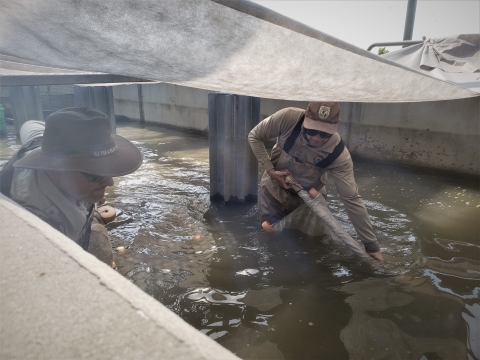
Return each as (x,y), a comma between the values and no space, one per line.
(378,256)
(279,177)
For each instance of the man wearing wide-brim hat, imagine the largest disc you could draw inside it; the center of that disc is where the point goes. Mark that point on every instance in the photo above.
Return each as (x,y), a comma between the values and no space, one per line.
(307,147)
(61,176)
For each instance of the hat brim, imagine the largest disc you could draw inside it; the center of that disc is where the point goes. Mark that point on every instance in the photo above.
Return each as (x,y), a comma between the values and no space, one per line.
(124,161)
(320,125)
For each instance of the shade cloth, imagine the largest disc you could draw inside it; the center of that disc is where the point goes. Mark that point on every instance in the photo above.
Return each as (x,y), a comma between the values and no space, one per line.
(233,46)
(455,59)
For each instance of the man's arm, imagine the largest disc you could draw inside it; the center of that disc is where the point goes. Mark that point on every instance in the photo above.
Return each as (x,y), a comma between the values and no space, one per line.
(269,128)
(266,129)
(342,172)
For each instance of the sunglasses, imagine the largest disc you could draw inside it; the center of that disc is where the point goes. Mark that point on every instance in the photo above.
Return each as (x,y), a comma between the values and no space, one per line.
(93,178)
(312,132)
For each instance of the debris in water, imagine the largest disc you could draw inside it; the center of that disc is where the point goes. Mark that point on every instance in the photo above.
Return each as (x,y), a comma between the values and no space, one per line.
(247,272)
(121,249)
(310,323)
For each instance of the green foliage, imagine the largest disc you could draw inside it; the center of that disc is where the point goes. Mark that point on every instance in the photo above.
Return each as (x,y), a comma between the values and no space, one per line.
(382,51)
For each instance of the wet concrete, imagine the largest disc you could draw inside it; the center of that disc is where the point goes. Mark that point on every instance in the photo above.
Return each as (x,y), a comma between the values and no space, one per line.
(289,295)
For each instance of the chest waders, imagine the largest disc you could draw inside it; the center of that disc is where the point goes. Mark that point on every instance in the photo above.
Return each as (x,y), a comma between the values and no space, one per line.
(321,164)
(308,175)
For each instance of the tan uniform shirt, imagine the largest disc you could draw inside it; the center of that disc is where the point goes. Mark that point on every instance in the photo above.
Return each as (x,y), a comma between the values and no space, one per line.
(34,188)
(279,126)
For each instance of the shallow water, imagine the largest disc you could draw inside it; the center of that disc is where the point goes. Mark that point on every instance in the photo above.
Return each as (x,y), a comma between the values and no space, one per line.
(288,295)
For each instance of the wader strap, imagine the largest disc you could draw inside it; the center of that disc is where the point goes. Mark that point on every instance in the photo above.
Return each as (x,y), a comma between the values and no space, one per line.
(322,163)
(84,237)
(6,174)
(332,156)
(293,136)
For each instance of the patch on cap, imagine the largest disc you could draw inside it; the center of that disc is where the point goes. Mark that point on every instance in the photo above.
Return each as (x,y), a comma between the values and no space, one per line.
(323,112)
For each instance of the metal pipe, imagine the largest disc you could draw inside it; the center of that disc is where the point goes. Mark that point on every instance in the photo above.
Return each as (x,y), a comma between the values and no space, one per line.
(395,43)
(410,20)
(141,113)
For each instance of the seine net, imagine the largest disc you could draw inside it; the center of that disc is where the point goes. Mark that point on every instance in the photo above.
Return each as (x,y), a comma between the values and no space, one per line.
(315,219)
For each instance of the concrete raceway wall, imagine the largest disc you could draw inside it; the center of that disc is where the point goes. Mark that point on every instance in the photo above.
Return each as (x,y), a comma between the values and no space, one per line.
(443,135)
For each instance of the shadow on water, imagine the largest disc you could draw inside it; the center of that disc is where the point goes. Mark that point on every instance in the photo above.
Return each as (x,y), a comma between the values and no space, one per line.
(291,296)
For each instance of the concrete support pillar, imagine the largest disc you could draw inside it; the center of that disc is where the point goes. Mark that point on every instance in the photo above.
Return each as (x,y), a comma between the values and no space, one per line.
(26,105)
(140,104)
(233,167)
(96,97)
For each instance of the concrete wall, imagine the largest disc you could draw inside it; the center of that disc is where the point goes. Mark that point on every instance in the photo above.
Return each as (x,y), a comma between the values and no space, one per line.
(443,135)
(59,302)
(177,106)
(126,100)
(164,104)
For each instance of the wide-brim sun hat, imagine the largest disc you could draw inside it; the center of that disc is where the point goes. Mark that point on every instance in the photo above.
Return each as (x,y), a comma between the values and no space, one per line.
(322,116)
(80,139)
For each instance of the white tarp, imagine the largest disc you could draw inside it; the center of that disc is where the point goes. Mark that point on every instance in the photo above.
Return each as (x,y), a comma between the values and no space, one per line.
(233,46)
(455,59)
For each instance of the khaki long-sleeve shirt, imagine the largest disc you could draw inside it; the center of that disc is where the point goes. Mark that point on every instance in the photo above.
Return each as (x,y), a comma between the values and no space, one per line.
(280,125)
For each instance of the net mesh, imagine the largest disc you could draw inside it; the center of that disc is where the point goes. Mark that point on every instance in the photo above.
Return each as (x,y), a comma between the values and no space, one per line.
(304,220)
(315,219)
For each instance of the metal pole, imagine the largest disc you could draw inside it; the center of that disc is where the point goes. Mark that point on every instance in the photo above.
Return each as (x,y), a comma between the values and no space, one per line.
(405,43)
(410,20)
(140,104)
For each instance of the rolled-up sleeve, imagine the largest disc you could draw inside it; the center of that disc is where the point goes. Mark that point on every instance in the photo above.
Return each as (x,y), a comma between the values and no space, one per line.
(342,172)
(258,135)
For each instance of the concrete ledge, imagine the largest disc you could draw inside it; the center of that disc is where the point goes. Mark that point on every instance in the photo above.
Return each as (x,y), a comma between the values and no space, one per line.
(59,302)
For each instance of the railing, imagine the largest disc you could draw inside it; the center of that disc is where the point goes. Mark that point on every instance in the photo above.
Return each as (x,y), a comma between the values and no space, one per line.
(396,43)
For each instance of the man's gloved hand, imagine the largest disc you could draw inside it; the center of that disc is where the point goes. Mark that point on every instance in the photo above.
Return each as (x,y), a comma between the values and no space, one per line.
(377,256)
(279,177)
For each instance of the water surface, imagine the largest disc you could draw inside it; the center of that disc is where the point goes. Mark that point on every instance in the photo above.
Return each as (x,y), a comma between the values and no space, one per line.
(288,295)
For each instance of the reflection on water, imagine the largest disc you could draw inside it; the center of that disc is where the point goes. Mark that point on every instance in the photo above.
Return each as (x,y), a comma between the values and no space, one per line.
(291,296)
